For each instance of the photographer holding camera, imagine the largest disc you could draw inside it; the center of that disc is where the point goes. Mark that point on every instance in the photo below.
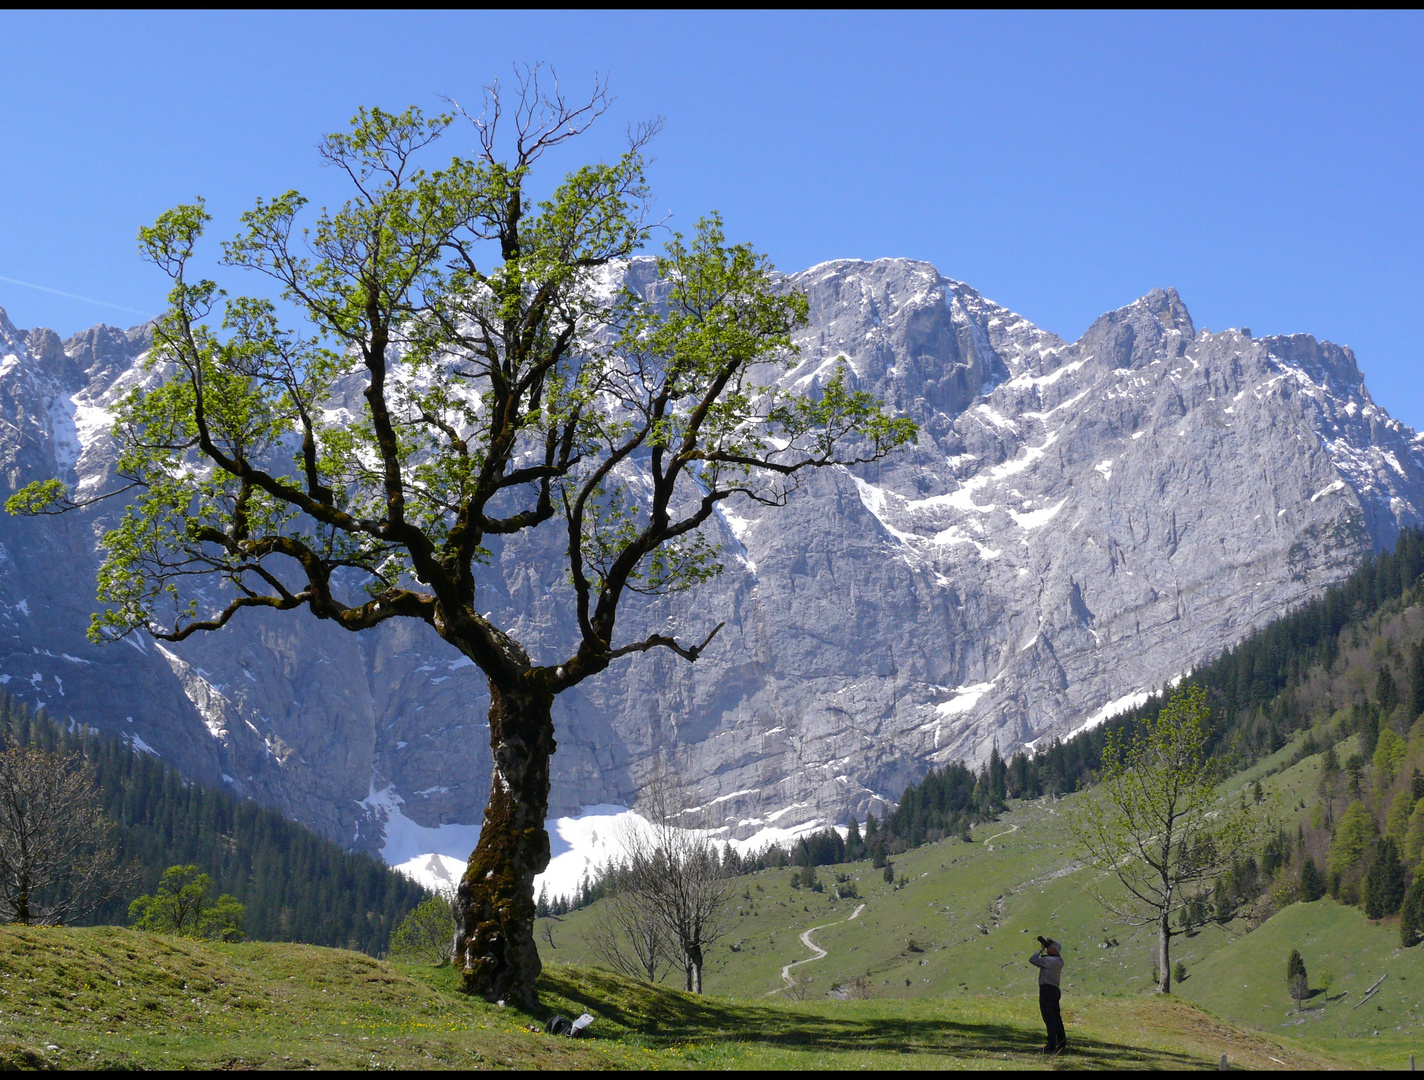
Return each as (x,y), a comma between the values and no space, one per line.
(1049,961)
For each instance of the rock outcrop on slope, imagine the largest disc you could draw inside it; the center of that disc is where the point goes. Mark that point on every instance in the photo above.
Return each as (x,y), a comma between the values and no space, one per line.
(1078,524)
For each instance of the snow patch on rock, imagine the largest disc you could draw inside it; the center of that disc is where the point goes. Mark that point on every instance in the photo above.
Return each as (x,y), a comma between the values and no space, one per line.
(1116,707)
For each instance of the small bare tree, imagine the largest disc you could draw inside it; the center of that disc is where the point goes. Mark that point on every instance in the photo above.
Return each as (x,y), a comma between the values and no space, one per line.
(58,855)
(677,871)
(628,933)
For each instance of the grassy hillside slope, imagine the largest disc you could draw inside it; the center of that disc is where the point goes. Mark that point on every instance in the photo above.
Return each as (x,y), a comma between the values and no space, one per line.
(104,997)
(1246,981)
(962,924)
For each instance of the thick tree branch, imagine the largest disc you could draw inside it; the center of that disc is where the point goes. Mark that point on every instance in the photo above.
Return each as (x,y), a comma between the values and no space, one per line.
(662,641)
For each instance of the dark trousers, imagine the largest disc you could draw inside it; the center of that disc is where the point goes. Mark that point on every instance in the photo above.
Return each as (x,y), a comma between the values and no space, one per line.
(1052,1018)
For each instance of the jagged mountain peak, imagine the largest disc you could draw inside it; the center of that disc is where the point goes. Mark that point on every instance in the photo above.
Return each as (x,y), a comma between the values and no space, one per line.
(12,338)
(1150,328)
(1165,306)
(8,328)
(101,352)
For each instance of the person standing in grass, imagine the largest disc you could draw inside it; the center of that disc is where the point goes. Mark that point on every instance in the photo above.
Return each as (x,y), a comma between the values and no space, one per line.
(1049,961)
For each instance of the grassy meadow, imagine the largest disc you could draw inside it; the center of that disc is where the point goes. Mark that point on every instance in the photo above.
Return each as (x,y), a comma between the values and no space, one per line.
(113,998)
(931,973)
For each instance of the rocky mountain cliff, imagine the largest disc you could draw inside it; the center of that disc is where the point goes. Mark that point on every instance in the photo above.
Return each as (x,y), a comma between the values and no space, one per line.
(1078,524)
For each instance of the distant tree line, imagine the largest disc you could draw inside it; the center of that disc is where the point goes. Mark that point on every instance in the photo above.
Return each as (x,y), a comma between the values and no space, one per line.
(1245,684)
(294,884)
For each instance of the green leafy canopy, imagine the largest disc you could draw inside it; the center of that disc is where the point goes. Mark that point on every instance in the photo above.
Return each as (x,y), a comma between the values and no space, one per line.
(471,372)
(182,905)
(1156,821)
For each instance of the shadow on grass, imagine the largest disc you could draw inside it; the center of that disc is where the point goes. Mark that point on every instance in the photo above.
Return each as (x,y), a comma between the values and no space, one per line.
(666,1017)
(1325,999)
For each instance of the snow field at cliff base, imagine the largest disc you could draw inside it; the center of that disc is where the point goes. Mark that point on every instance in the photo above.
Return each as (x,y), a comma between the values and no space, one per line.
(580,847)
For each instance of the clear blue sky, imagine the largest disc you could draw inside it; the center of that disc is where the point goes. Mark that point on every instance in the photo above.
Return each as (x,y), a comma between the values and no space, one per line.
(1267,165)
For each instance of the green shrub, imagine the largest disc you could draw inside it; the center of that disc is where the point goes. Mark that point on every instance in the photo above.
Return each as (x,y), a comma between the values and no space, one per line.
(1353,837)
(1388,757)
(181,905)
(1414,834)
(1396,822)
(427,933)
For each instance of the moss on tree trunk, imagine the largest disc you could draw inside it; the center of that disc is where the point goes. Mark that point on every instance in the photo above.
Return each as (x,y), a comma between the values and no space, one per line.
(494,906)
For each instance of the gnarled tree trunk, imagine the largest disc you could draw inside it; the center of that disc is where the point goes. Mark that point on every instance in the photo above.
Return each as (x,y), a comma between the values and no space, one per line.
(494,906)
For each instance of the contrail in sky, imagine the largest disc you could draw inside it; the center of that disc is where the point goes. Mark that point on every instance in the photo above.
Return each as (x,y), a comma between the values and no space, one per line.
(74,296)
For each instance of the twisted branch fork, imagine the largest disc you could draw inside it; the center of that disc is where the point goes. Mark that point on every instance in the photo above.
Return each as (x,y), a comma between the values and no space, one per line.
(655,641)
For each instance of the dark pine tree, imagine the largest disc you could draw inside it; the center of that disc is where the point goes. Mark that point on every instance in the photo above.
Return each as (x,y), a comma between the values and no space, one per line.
(997,776)
(853,842)
(1369,725)
(1386,692)
(1385,883)
(1295,965)
(1416,679)
(1312,882)
(1411,915)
